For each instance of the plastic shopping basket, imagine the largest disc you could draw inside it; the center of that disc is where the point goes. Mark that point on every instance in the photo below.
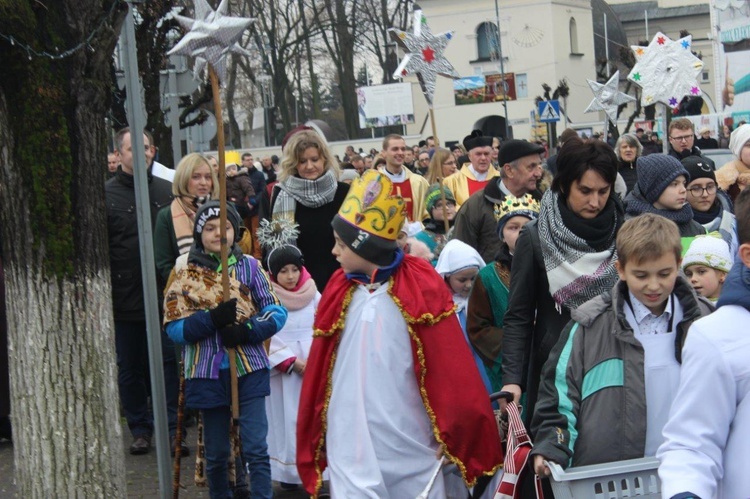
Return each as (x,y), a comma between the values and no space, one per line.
(632,478)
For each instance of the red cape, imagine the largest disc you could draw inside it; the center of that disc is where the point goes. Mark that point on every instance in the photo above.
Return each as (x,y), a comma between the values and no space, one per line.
(452,391)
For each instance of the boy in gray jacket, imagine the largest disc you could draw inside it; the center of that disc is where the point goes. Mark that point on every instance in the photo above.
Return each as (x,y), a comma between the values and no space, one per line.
(610,380)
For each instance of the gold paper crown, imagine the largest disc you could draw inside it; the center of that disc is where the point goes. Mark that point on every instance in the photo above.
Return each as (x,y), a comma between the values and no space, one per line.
(370,207)
(512,204)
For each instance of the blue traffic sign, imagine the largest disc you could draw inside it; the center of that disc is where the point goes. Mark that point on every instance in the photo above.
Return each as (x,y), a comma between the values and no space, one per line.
(549,111)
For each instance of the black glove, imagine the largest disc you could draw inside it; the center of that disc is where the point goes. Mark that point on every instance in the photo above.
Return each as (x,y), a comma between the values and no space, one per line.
(234,335)
(224,313)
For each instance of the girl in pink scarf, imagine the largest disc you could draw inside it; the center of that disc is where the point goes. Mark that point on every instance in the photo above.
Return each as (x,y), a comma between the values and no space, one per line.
(287,354)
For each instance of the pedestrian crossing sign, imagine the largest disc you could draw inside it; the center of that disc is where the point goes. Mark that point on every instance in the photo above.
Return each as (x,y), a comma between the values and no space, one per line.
(549,111)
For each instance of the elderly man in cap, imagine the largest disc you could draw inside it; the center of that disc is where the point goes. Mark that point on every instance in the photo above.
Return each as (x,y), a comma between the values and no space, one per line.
(473,177)
(521,169)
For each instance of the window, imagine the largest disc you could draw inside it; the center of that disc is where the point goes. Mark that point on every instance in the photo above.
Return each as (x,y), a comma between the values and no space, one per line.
(488,42)
(705,77)
(573,29)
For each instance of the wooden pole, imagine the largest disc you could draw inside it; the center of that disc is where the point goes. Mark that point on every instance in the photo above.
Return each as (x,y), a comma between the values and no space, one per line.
(223,231)
(445,208)
(440,177)
(434,128)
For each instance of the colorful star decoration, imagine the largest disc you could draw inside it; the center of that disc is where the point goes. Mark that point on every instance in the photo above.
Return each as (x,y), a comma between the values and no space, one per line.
(424,55)
(211,36)
(607,97)
(666,70)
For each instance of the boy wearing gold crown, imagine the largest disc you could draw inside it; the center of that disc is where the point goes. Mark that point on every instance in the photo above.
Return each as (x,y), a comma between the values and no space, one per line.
(387,390)
(489,295)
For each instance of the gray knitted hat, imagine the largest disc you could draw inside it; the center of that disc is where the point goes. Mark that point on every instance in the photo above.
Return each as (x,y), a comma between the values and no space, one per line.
(656,172)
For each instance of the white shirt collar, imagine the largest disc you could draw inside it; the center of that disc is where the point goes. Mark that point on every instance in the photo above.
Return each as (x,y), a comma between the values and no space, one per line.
(396,177)
(481,177)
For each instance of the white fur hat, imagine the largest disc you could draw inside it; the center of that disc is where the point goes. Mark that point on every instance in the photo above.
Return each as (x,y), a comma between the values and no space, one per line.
(709,250)
(739,137)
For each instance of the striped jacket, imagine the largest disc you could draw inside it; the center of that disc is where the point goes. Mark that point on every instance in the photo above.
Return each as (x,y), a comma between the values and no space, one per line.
(592,397)
(205,357)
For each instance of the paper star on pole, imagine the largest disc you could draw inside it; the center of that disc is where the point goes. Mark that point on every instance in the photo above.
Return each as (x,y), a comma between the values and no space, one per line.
(424,55)
(211,36)
(607,97)
(666,70)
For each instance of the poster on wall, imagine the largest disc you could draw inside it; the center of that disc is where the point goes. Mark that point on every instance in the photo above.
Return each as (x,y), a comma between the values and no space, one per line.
(385,105)
(480,89)
(733,27)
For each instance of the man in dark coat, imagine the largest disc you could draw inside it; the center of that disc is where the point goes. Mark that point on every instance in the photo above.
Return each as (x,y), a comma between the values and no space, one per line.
(128,300)
(520,171)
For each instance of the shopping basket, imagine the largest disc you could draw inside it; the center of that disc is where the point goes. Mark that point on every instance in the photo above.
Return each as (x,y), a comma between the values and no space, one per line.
(631,478)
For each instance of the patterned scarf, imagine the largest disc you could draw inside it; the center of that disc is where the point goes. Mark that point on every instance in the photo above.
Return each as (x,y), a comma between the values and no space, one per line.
(197,288)
(182,220)
(576,271)
(310,193)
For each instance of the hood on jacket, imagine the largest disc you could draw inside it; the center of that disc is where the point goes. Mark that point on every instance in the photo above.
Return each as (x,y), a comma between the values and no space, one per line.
(587,313)
(736,290)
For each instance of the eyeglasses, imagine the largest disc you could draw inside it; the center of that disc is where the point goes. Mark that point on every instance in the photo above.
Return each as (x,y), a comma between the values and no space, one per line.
(684,138)
(698,191)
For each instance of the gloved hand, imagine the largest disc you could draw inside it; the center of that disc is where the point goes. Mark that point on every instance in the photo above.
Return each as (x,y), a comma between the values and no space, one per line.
(224,313)
(234,335)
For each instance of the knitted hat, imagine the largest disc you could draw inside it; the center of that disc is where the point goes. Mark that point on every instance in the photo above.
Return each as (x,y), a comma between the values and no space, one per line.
(709,250)
(526,206)
(433,196)
(514,149)
(476,139)
(699,167)
(284,255)
(209,211)
(656,172)
(370,218)
(739,138)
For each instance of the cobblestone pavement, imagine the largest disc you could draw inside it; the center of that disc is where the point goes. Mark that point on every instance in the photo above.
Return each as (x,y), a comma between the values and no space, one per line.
(142,474)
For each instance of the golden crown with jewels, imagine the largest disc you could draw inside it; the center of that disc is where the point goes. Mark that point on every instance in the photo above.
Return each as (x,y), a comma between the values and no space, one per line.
(370,207)
(524,205)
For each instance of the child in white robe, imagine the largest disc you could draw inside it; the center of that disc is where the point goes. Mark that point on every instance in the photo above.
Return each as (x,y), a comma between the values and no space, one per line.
(386,395)
(287,355)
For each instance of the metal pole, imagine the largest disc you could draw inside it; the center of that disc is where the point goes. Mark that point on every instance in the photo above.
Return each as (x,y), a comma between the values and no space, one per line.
(145,240)
(645,16)
(606,44)
(502,68)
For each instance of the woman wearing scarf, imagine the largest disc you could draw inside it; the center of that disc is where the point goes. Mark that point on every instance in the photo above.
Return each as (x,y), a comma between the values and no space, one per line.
(711,206)
(309,194)
(194,183)
(563,259)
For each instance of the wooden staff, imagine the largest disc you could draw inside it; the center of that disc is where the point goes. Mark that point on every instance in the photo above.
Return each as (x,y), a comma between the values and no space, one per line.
(445,207)
(178,435)
(223,233)
(440,177)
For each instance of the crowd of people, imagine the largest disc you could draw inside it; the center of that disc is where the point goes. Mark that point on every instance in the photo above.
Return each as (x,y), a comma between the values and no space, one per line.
(375,303)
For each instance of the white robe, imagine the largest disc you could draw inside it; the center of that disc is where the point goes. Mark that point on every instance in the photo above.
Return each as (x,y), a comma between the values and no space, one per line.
(379,441)
(294,340)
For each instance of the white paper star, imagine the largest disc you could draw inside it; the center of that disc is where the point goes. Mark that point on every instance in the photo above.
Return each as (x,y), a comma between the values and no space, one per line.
(211,36)
(666,70)
(607,97)
(424,55)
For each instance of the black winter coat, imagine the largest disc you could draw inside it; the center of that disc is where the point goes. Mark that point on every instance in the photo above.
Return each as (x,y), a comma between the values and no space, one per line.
(533,322)
(124,249)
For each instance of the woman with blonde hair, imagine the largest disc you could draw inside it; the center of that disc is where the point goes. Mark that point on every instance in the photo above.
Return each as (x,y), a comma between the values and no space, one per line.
(309,193)
(442,164)
(194,183)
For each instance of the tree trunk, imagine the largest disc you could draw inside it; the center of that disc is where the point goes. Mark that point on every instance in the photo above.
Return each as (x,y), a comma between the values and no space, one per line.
(67,433)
